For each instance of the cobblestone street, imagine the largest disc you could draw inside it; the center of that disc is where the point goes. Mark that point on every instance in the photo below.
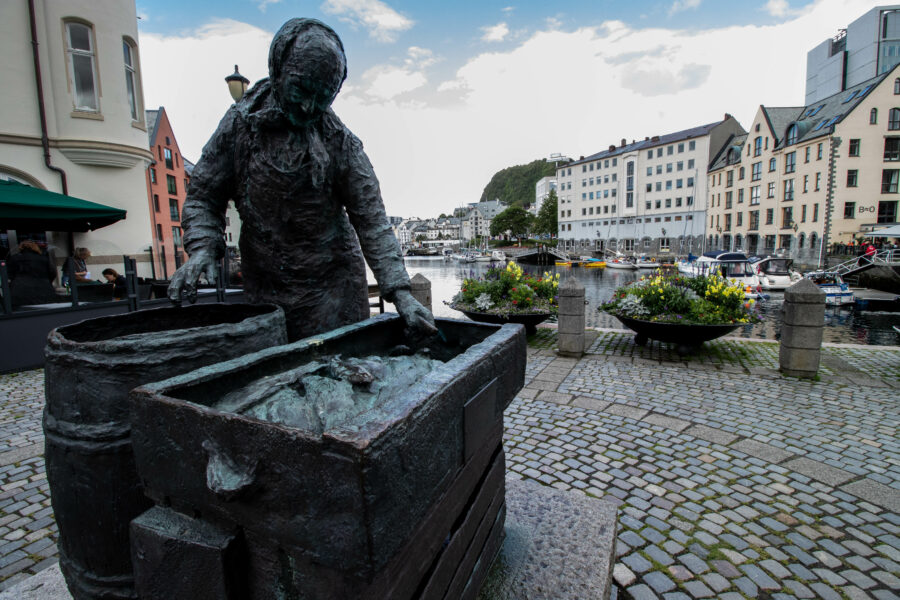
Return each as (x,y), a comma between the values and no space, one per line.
(732,481)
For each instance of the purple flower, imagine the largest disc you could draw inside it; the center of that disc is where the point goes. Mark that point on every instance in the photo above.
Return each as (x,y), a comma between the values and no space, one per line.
(679,316)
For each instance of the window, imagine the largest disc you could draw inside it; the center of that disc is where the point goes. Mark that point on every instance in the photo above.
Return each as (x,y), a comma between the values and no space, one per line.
(755,171)
(658,152)
(770,216)
(692,145)
(176,236)
(690,182)
(791,135)
(728,198)
(854,147)
(772,164)
(808,150)
(156,202)
(649,187)
(889,178)
(818,180)
(691,162)
(649,153)
(678,202)
(894,119)
(741,173)
(659,186)
(818,151)
(757,146)
(669,184)
(668,167)
(659,204)
(788,189)
(668,203)
(669,150)
(753,220)
(690,199)
(159,234)
(740,219)
(787,217)
(805,183)
(171,185)
(153,175)
(849,210)
(173,209)
(729,179)
(80,51)
(629,200)
(896,85)
(168,153)
(770,193)
(887,211)
(681,148)
(649,171)
(754,195)
(648,205)
(680,165)
(659,169)
(852,177)
(790,162)
(873,116)
(131,80)
(891,149)
(803,214)
(741,196)
(728,222)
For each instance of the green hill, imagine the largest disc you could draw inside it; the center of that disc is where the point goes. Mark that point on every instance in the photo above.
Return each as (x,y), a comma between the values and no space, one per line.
(515,185)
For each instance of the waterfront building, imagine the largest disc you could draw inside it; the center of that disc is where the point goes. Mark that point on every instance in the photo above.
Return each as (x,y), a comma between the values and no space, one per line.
(73,120)
(477,222)
(541,192)
(807,176)
(868,47)
(643,197)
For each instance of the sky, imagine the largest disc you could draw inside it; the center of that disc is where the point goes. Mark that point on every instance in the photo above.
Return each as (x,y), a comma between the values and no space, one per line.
(445,94)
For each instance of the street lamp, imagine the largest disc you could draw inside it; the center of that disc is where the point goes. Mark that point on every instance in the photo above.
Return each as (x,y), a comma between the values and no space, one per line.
(237,84)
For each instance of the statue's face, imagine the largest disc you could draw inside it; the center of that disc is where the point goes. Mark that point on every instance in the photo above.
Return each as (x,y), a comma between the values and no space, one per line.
(310,79)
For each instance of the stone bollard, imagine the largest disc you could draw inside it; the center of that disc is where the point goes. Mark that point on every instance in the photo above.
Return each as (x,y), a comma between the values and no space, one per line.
(420,288)
(801,331)
(571,318)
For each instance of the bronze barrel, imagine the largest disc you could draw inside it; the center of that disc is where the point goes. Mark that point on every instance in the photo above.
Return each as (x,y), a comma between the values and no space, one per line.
(90,368)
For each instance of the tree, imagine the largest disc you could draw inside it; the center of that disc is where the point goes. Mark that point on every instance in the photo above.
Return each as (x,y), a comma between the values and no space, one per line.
(514,186)
(547,220)
(514,219)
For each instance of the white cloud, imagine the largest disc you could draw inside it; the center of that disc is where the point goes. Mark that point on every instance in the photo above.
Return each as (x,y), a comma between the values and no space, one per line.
(495,33)
(574,92)
(682,5)
(508,9)
(780,9)
(263,4)
(383,22)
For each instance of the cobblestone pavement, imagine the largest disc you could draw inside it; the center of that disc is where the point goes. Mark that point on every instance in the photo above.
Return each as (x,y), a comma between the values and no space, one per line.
(732,481)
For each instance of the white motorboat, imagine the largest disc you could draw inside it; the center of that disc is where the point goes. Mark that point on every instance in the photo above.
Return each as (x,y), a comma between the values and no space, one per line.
(498,256)
(775,273)
(837,293)
(733,266)
(643,262)
(622,263)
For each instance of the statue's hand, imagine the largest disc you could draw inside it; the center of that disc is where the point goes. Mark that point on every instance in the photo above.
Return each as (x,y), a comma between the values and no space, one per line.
(418,319)
(186,277)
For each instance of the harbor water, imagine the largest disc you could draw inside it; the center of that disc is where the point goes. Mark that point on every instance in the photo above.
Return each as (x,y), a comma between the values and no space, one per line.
(842,325)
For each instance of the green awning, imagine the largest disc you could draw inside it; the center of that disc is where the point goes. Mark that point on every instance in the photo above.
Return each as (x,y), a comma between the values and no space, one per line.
(30,208)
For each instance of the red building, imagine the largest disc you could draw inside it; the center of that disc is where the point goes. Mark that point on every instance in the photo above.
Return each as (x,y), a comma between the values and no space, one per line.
(167,181)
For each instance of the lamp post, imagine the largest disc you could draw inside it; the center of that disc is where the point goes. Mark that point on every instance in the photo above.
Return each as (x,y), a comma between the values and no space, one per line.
(237,84)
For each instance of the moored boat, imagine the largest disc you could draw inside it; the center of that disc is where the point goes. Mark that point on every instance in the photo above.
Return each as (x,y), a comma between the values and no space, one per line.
(625,264)
(776,273)
(733,266)
(837,293)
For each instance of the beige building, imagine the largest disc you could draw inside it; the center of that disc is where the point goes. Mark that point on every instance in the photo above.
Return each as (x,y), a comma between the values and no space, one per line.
(88,67)
(808,176)
(643,197)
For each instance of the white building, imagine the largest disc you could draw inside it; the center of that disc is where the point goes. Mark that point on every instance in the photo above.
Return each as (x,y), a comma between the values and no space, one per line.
(647,196)
(870,46)
(477,222)
(541,191)
(88,68)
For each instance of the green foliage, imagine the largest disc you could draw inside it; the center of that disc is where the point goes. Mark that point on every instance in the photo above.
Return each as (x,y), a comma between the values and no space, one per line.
(547,218)
(514,219)
(514,186)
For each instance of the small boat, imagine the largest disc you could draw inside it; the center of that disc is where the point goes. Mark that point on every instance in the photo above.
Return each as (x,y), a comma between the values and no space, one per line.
(498,256)
(775,273)
(645,263)
(837,293)
(595,264)
(621,263)
(733,266)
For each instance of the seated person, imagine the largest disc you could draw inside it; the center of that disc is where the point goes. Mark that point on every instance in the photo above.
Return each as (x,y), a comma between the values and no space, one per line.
(79,265)
(121,290)
(31,276)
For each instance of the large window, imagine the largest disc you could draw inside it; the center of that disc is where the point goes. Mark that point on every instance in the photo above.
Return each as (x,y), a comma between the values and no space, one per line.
(889,179)
(887,211)
(131,80)
(854,147)
(757,146)
(176,237)
(852,177)
(787,217)
(891,148)
(169,159)
(791,135)
(790,162)
(80,51)
(788,189)
(173,209)
(171,185)
(754,195)
(894,119)
(755,171)
(770,216)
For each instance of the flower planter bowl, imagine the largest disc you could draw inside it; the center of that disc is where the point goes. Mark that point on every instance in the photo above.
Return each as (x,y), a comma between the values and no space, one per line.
(529,320)
(689,337)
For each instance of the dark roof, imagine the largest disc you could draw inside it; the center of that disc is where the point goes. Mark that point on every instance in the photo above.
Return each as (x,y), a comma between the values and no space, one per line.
(735,142)
(778,118)
(685,134)
(188,166)
(152,117)
(819,118)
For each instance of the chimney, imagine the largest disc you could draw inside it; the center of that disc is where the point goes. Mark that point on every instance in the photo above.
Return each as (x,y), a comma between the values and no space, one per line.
(727,116)
(655,138)
(581,157)
(623,142)
(611,148)
(646,138)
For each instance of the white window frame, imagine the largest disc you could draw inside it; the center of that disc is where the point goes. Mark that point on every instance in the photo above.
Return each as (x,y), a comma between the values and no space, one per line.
(71,52)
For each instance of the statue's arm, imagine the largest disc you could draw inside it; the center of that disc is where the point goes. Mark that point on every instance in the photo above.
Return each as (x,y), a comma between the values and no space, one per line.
(362,200)
(203,214)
